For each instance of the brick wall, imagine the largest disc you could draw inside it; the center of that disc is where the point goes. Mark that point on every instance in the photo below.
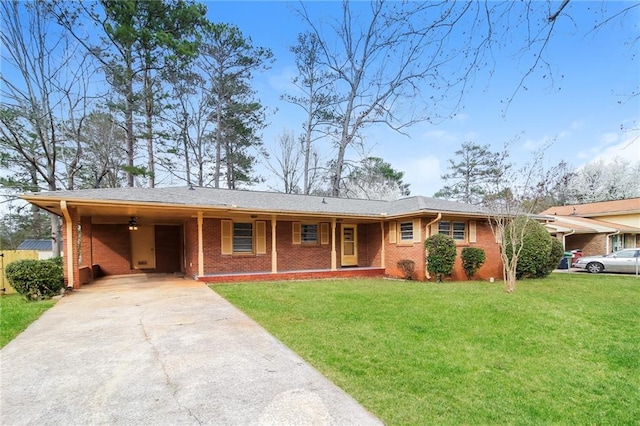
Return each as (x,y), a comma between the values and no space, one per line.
(291,257)
(591,244)
(369,245)
(416,252)
(492,268)
(112,249)
(395,252)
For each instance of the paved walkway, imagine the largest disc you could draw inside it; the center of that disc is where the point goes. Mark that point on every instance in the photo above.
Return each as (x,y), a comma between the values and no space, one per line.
(155,351)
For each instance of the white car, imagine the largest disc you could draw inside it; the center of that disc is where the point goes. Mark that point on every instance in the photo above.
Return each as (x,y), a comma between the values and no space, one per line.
(620,261)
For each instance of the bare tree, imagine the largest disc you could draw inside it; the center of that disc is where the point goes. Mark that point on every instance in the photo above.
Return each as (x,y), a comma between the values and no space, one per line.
(36,94)
(191,115)
(389,56)
(285,163)
(510,209)
(375,179)
(316,99)
(380,59)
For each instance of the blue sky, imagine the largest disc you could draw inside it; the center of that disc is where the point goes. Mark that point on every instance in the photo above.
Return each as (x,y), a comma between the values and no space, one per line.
(586,114)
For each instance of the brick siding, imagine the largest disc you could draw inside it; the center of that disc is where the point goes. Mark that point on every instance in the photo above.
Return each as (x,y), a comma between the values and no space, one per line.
(109,247)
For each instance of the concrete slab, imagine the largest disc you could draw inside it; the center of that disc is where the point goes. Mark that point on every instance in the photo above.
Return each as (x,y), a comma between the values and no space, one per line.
(160,351)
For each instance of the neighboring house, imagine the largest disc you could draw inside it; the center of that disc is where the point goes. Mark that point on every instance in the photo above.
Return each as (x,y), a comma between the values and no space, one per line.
(230,235)
(596,228)
(43,247)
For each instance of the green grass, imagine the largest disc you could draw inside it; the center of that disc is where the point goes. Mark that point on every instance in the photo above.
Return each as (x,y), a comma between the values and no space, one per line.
(562,350)
(16,314)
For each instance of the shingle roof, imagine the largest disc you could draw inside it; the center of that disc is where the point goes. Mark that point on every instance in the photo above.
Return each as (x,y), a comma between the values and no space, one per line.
(261,201)
(40,245)
(630,205)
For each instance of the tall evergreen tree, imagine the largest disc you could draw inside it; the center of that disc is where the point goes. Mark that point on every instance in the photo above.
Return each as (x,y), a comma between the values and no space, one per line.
(470,174)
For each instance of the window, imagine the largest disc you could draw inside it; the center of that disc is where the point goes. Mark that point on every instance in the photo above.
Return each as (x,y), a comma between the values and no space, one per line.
(242,237)
(456,230)
(444,227)
(406,231)
(309,233)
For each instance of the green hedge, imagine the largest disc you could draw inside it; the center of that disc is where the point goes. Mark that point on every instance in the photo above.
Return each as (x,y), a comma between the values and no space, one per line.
(36,279)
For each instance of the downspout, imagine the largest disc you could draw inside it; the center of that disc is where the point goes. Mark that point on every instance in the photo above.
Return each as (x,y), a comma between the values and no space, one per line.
(428,228)
(69,243)
(607,240)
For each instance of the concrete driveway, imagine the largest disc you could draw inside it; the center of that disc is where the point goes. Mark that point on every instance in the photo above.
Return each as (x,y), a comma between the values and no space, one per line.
(160,351)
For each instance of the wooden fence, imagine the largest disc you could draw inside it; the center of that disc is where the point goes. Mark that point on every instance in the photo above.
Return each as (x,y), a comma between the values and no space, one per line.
(8,256)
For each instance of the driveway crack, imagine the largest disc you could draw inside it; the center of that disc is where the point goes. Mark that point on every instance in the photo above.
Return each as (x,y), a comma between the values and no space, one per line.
(173,386)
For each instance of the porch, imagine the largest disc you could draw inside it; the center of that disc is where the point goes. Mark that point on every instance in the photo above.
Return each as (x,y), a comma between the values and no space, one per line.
(311,274)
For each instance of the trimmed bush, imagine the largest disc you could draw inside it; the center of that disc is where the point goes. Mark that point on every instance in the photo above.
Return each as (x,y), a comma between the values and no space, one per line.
(538,250)
(441,255)
(408,267)
(556,253)
(36,279)
(472,259)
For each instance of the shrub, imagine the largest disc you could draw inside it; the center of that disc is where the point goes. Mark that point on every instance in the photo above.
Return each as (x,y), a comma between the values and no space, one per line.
(36,279)
(441,254)
(407,266)
(472,259)
(535,257)
(555,254)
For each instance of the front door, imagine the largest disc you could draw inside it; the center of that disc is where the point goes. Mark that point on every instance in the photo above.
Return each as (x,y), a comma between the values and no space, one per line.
(143,254)
(349,245)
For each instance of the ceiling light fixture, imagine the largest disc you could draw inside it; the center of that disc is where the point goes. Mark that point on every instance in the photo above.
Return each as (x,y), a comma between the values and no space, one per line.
(133,224)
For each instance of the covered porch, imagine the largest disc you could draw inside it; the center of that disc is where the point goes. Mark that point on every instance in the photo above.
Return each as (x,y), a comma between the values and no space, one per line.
(138,238)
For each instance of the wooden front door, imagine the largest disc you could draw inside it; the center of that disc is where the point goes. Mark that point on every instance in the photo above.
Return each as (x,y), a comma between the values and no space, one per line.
(143,255)
(168,248)
(349,245)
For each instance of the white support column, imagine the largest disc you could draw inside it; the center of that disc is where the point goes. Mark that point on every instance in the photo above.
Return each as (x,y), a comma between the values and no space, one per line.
(200,246)
(334,255)
(274,253)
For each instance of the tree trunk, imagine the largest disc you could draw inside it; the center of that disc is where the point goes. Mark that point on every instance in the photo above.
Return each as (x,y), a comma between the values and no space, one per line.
(128,113)
(148,107)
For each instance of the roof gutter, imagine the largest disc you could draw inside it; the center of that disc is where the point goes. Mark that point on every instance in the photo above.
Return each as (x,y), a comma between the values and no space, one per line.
(438,217)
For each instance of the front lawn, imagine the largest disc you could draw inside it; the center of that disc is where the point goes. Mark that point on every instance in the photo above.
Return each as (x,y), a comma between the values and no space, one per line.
(565,349)
(16,314)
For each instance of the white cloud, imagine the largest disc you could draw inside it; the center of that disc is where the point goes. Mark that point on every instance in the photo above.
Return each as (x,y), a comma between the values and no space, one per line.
(423,174)
(281,82)
(577,124)
(440,136)
(533,145)
(614,145)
